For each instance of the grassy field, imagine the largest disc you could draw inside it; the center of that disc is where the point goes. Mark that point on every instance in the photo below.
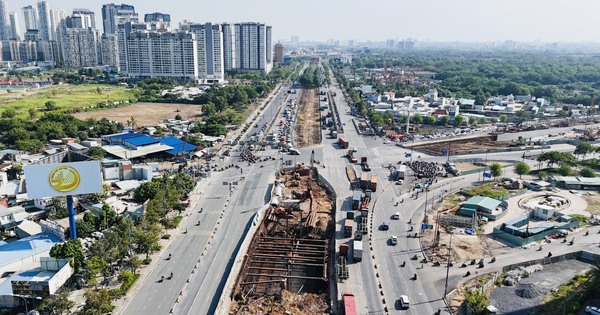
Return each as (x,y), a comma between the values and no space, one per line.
(65,96)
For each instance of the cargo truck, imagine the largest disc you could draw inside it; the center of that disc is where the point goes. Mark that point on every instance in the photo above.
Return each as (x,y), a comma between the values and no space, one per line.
(364,208)
(364,164)
(357,250)
(349,303)
(356,198)
(343,143)
(348,228)
(373,184)
(364,180)
(401,172)
(334,134)
(344,250)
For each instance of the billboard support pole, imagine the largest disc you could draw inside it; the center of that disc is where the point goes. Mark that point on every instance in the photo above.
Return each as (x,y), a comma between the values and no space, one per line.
(71,211)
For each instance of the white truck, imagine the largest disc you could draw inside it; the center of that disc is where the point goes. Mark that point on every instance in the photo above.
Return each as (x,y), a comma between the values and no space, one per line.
(357,250)
(401,172)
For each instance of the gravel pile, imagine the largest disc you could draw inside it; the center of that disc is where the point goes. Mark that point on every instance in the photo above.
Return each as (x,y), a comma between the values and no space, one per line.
(530,291)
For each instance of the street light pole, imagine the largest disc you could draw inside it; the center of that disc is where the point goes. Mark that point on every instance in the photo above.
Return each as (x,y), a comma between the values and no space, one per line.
(448,267)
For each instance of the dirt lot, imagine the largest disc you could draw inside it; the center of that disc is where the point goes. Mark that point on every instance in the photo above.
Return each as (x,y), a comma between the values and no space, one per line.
(144,113)
(307,129)
(462,146)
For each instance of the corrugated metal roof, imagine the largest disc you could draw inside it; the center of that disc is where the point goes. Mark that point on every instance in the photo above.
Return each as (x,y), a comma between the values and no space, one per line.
(484,202)
(141,140)
(26,247)
(178,145)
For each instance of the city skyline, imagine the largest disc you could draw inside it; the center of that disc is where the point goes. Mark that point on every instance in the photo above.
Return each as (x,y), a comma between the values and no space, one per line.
(429,20)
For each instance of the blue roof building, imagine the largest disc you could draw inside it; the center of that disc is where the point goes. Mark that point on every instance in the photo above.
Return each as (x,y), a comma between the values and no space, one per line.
(179,146)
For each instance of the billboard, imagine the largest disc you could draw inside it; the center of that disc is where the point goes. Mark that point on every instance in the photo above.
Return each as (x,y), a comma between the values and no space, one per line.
(62,179)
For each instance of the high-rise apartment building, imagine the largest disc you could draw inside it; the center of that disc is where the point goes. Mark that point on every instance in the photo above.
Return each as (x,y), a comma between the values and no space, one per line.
(14,26)
(84,18)
(162,54)
(156,17)
(57,16)
(113,15)
(109,50)
(30,16)
(44,20)
(279,53)
(5,32)
(209,39)
(228,46)
(253,46)
(123,32)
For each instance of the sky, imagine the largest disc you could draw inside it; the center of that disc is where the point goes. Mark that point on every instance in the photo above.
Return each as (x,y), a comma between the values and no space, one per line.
(378,20)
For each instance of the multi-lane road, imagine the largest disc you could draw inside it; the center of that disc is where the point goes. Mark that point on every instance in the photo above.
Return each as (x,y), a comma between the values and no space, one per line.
(203,257)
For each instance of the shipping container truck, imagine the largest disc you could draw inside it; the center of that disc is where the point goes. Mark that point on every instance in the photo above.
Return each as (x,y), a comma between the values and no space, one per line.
(343,143)
(348,228)
(357,250)
(373,184)
(349,303)
(364,180)
(356,198)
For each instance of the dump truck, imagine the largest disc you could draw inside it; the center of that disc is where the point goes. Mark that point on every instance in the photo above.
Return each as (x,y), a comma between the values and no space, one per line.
(356,198)
(364,208)
(343,143)
(373,183)
(350,156)
(364,180)
(357,250)
(349,303)
(348,228)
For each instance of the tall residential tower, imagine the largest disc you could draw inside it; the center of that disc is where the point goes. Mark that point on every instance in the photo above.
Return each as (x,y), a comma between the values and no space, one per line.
(44,21)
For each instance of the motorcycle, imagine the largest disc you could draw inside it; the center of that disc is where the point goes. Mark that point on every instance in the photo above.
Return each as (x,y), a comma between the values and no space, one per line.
(169,258)
(403,264)
(415,257)
(415,277)
(171,276)
(549,254)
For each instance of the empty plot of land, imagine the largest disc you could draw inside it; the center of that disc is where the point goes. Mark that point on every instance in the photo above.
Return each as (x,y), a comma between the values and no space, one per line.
(308,131)
(462,145)
(144,113)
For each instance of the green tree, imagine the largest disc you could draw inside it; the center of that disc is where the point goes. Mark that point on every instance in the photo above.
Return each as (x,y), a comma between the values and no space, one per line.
(583,148)
(587,172)
(493,120)
(178,117)
(32,113)
(521,169)
(71,249)
(50,105)
(208,109)
(97,302)
(458,120)
(477,301)
(134,263)
(482,120)
(496,169)
(416,119)
(94,266)
(503,118)
(97,153)
(430,120)
(9,113)
(565,170)
(473,121)
(443,120)
(57,305)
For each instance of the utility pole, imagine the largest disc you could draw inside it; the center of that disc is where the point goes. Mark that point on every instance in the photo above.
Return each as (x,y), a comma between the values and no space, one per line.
(448,267)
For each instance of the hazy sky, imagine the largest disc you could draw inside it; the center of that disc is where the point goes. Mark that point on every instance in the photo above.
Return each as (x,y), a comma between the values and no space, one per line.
(435,20)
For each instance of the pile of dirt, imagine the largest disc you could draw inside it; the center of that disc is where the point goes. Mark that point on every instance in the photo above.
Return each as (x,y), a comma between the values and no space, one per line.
(289,303)
(307,128)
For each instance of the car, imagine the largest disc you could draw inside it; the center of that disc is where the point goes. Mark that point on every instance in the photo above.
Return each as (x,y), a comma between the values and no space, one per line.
(354,149)
(385,226)
(394,240)
(404,302)
(386,141)
(294,152)
(396,216)
(592,310)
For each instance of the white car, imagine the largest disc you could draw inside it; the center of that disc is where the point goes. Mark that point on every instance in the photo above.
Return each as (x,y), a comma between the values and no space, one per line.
(386,141)
(592,310)
(394,240)
(404,302)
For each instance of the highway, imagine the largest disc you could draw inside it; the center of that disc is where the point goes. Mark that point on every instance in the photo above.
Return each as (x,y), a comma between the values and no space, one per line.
(202,257)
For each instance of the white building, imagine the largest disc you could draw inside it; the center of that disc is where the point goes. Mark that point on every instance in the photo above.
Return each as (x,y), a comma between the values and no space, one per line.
(30,17)
(44,21)
(57,16)
(209,39)
(253,46)
(229,61)
(113,15)
(154,54)
(109,50)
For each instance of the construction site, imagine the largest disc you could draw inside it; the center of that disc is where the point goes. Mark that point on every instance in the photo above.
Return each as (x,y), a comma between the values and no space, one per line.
(307,128)
(463,146)
(287,267)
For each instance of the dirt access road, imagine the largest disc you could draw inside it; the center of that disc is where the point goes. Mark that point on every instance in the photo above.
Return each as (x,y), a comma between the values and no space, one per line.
(144,113)
(308,128)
